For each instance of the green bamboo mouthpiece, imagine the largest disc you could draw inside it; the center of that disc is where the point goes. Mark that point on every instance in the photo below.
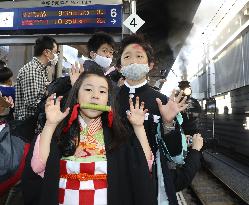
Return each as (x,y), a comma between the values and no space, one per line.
(104,108)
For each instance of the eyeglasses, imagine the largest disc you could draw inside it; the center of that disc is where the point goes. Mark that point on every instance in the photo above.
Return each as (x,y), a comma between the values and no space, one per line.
(58,52)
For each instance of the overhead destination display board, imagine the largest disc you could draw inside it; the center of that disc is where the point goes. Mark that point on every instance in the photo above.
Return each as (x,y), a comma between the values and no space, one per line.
(68,17)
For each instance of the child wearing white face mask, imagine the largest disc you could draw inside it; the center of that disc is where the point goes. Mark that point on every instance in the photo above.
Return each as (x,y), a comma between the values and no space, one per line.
(100,51)
(101,48)
(164,135)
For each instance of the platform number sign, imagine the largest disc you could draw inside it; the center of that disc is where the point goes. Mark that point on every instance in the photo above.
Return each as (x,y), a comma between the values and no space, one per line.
(133,22)
(113,15)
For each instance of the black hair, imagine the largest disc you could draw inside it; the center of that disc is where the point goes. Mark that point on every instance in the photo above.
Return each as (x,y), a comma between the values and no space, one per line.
(5,74)
(2,64)
(99,39)
(135,39)
(43,43)
(69,141)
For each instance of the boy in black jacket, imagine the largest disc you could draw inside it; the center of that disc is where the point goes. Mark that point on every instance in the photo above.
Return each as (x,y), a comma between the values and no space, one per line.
(164,135)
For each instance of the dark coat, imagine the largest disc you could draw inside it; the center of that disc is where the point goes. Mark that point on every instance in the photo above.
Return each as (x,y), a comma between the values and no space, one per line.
(148,95)
(128,177)
(174,180)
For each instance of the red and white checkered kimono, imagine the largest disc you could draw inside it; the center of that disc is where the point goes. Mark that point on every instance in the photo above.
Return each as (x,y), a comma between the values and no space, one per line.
(81,192)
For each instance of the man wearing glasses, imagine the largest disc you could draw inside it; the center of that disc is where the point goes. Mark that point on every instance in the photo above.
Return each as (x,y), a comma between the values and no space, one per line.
(32,78)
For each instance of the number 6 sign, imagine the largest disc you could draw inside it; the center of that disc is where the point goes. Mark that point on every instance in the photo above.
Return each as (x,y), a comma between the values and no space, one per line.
(113,13)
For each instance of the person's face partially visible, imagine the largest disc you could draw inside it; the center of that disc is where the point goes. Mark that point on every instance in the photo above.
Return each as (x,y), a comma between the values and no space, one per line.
(105,50)
(133,53)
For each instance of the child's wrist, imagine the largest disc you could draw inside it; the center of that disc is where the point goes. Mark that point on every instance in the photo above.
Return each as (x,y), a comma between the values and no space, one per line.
(196,148)
(51,125)
(138,127)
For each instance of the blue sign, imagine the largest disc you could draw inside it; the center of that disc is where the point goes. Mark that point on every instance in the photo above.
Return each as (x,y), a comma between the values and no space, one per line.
(90,16)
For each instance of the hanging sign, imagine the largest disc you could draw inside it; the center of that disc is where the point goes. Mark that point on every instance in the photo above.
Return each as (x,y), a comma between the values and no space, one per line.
(133,22)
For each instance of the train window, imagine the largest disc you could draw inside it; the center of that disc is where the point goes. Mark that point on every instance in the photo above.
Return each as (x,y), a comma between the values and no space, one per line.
(223,104)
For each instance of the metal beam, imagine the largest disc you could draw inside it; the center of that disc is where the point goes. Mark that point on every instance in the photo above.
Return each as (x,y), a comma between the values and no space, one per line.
(38,3)
(61,39)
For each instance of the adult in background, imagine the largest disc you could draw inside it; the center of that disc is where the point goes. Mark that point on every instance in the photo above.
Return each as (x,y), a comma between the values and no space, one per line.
(191,115)
(32,78)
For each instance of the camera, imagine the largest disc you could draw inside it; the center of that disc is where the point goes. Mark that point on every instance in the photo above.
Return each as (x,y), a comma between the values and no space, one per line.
(163,73)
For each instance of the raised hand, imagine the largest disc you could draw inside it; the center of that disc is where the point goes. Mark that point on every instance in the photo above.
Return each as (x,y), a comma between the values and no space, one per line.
(173,107)
(53,113)
(136,118)
(6,102)
(136,114)
(10,101)
(121,82)
(197,142)
(75,72)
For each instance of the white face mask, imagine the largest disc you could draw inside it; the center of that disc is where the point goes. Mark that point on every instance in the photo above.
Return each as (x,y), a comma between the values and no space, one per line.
(54,61)
(135,71)
(102,61)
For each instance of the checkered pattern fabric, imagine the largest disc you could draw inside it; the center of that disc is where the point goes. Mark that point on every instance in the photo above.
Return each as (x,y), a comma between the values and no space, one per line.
(75,192)
(31,84)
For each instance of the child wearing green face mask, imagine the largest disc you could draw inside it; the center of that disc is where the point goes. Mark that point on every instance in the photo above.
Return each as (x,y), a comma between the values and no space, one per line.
(84,155)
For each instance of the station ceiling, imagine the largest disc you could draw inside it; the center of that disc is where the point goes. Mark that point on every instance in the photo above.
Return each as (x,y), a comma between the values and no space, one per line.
(168,23)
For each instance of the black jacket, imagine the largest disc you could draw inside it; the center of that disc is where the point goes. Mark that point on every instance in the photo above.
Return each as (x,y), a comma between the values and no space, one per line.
(148,95)
(174,180)
(128,177)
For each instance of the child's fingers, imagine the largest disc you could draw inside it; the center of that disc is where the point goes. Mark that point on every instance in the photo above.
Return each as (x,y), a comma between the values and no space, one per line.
(72,69)
(179,97)
(131,104)
(172,96)
(76,65)
(50,98)
(66,112)
(58,100)
(142,106)
(81,68)
(183,107)
(183,101)
(145,111)
(159,103)
(137,103)
(128,113)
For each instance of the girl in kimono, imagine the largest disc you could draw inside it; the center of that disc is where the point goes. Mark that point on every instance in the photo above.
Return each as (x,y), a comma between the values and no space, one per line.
(85,156)
(162,129)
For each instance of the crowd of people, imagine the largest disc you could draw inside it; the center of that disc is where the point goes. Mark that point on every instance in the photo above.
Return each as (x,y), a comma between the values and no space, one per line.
(101,135)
